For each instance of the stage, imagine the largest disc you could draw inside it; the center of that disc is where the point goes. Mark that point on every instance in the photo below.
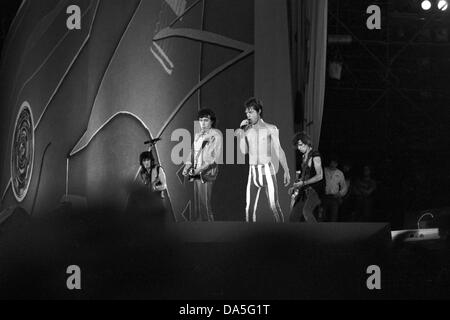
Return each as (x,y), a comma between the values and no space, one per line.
(130,257)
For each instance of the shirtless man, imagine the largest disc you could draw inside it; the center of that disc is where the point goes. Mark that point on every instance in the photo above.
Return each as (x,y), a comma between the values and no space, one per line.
(261,141)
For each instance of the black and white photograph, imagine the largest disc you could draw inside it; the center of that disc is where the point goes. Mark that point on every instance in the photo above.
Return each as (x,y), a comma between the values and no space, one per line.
(224,151)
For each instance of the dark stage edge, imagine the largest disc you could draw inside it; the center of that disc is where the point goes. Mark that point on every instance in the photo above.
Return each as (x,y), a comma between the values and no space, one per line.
(237,260)
(224,261)
(326,233)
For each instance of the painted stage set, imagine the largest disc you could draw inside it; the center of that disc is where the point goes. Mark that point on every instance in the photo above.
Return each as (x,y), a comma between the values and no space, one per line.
(77,105)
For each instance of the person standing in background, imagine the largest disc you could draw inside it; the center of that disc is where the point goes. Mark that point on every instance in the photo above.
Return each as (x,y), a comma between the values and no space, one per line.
(335,190)
(363,190)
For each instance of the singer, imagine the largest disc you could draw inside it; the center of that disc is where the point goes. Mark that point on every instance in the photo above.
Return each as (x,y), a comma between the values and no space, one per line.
(202,165)
(259,139)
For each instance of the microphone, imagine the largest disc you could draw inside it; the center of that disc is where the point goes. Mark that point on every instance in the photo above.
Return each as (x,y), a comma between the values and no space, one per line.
(152,142)
(245,125)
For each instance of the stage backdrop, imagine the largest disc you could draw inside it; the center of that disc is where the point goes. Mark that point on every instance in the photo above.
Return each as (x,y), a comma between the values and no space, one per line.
(77,105)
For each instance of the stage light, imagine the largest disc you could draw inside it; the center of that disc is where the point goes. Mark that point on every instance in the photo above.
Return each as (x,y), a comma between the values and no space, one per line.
(442,5)
(426,5)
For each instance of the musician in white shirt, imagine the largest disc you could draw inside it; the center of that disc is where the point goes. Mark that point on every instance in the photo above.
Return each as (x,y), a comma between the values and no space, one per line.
(202,165)
(335,190)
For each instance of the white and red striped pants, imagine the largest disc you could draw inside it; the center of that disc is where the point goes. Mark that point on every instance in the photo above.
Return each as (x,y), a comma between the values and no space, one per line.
(259,177)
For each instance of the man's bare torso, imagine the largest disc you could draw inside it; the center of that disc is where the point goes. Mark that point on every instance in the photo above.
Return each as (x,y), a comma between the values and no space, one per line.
(259,140)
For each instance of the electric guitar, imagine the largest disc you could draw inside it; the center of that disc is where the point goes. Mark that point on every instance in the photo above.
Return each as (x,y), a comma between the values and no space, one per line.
(209,174)
(294,191)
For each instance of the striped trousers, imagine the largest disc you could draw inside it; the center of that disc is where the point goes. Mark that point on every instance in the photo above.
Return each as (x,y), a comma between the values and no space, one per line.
(262,177)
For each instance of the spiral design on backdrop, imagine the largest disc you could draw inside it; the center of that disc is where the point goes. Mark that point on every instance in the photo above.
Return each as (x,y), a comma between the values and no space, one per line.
(22,154)
(151,66)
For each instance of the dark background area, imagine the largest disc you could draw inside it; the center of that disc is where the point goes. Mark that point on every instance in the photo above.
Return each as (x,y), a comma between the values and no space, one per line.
(390,108)
(8,9)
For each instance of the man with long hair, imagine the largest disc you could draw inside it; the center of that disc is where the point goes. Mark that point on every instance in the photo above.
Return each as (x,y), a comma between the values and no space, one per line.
(309,184)
(152,174)
(149,197)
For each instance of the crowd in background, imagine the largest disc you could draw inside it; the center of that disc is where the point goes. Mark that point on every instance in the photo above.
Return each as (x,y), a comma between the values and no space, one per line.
(349,193)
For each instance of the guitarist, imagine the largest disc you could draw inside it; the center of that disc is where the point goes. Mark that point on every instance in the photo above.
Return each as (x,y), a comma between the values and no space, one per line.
(152,174)
(202,165)
(309,184)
